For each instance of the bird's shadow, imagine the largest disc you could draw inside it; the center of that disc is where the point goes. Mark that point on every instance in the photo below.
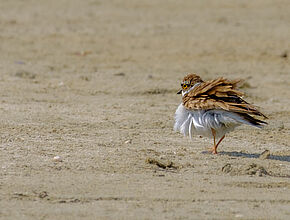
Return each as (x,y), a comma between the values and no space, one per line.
(254,155)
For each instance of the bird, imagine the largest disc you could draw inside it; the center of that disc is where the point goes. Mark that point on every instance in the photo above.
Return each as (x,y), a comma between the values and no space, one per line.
(213,109)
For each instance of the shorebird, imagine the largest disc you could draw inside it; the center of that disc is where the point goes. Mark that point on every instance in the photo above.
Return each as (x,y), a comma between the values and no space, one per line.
(213,108)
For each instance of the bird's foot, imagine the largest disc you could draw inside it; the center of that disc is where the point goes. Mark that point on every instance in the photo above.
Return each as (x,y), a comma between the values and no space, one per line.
(213,150)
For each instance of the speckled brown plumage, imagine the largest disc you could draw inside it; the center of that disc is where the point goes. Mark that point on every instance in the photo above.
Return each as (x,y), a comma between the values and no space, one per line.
(217,94)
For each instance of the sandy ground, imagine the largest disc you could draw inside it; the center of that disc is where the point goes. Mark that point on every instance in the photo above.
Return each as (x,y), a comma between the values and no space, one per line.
(95,83)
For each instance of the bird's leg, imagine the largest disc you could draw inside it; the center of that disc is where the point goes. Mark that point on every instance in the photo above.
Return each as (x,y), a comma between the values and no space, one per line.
(213,149)
(220,141)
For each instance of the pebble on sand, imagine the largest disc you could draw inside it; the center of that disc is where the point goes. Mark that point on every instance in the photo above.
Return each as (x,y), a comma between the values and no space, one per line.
(57,159)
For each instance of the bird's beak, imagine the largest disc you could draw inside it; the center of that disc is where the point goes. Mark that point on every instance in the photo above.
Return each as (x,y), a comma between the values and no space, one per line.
(180,91)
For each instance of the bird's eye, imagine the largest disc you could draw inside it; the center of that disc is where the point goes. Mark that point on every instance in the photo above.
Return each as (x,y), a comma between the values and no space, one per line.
(184,86)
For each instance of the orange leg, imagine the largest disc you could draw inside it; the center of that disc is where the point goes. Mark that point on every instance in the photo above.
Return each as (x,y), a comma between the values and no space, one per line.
(219,141)
(214,149)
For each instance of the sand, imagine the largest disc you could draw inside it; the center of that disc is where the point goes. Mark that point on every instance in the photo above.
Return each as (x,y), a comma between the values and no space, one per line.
(88,95)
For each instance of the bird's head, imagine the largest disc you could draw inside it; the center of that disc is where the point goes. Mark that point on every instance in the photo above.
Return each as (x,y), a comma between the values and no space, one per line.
(189,82)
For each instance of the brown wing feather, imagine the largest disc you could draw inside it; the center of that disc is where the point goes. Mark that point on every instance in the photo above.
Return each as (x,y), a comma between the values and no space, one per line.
(219,94)
(213,85)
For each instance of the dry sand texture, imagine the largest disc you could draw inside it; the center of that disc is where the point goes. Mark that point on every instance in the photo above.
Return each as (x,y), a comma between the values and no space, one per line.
(94,82)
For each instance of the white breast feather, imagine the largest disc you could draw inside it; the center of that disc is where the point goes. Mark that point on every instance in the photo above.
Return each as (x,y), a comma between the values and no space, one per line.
(200,122)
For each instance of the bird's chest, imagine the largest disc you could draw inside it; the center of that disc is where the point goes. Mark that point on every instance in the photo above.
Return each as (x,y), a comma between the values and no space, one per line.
(199,121)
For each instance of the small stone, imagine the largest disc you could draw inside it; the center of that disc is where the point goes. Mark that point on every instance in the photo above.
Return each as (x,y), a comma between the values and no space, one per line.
(128,141)
(265,155)
(57,159)
(42,194)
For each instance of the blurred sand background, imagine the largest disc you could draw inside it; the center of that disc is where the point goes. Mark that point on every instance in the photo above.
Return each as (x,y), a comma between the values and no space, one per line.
(94,82)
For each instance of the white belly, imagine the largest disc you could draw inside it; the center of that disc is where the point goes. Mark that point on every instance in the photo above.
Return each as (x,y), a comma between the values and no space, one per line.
(200,122)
